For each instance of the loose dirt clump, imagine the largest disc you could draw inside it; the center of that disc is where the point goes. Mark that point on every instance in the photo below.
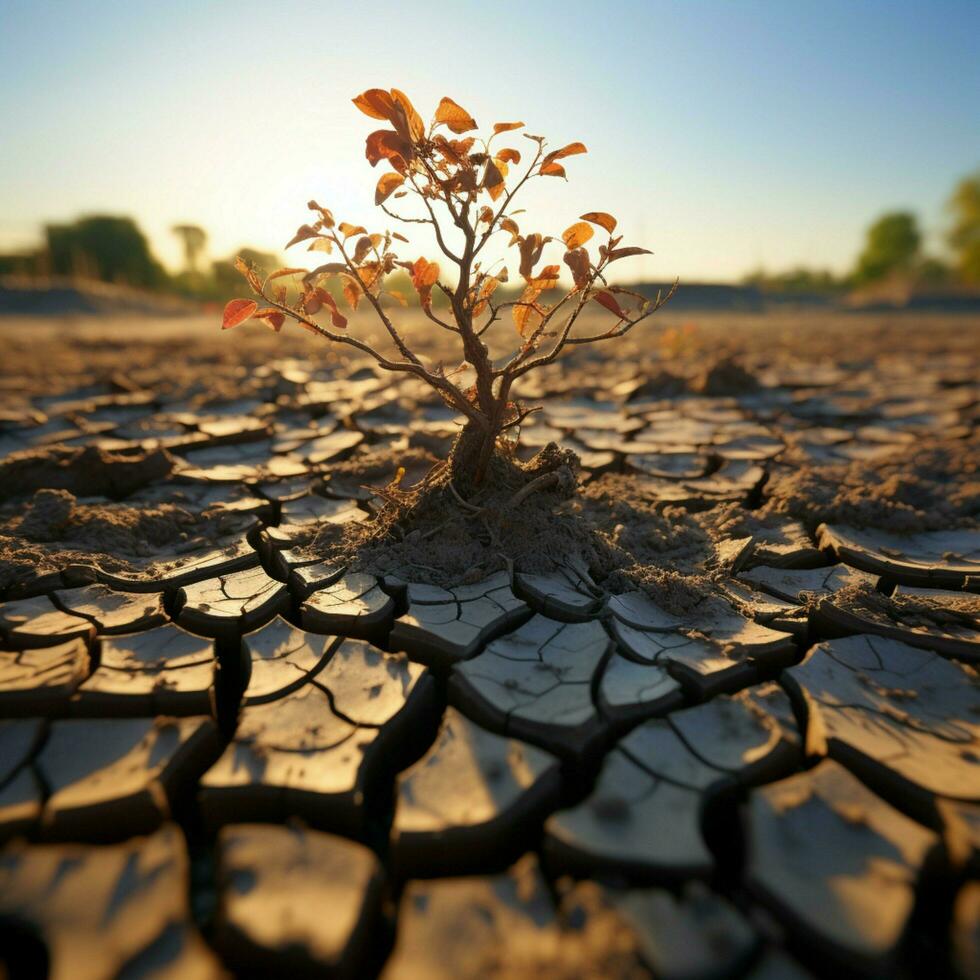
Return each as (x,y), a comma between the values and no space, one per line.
(533,518)
(725,377)
(54,530)
(84,471)
(915,489)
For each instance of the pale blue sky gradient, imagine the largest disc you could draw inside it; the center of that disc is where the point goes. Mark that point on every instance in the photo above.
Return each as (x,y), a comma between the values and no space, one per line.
(725,135)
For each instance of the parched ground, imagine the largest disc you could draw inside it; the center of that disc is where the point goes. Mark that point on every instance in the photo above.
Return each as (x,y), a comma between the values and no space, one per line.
(736,735)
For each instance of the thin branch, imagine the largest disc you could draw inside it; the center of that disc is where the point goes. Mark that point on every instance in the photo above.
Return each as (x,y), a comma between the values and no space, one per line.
(403,348)
(407,221)
(615,332)
(435,224)
(510,196)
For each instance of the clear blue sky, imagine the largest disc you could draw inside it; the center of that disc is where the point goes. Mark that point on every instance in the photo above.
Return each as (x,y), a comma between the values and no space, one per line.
(725,135)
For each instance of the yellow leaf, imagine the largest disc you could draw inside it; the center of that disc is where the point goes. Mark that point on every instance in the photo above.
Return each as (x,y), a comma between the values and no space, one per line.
(577,235)
(454,116)
(347,230)
(387,185)
(527,314)
(547,278)
(606,221)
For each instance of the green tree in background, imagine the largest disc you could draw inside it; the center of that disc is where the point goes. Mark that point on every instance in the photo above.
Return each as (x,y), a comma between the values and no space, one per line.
(104,247)
(964,236)
(193,238)
(892,246)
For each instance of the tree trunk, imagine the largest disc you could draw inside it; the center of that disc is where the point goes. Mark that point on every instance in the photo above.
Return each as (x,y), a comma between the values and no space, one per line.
(471,454)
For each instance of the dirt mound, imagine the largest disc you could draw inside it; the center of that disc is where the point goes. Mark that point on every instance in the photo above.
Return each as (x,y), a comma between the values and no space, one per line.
(83,471)
(725,377)
(916,489)
(530,517)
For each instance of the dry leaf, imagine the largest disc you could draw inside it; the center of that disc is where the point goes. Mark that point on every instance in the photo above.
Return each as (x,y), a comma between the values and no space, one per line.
(454,116)
(279,273)
(302,234)
(387,185)
(578,261)
(237,311)
(271,317)
(601,218)
(606,299)
(577,235)
(376,103)
(625,253)
(386,144)
(506,127)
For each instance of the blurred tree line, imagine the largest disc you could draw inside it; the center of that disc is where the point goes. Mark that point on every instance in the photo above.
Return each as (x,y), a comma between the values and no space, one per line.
(893,252)
(113,249)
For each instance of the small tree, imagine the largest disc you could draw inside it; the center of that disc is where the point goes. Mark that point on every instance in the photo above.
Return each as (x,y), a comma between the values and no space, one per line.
(892,246)
(465,187)
(964,236)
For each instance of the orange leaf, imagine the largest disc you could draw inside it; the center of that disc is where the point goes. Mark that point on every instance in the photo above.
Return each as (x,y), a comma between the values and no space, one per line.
(352,292)
(578,261)
(509,224)
(336,318)
(577,235)
(547,278)
(271,317)
(552,170)
(606,221)
(361,249)
(416,128)
(387,185)
(302,234)
(527,313)
(386,144)
(625,253)
(376,103)
(425,274)
(566,151)
(531,248)
(454,116)
(509,155)
(493,181)
(347,230)
(398,296)
(279,273)
(506,127)
(237,311)
(325,216)
(606,299)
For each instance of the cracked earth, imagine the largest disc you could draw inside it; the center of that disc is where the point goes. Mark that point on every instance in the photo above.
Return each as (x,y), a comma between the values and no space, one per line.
(748,747)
